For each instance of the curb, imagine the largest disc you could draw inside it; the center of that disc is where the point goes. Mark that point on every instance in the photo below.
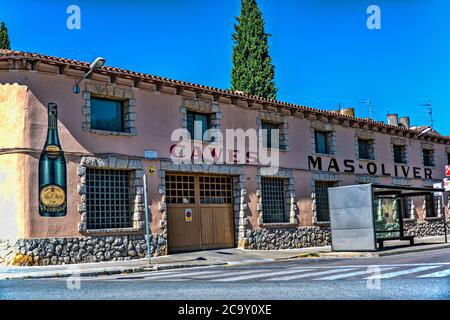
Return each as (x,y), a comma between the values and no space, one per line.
(414,249)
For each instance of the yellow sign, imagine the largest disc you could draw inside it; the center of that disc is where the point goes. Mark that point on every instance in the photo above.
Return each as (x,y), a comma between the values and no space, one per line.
(151,170)
(52,196)
(188,215)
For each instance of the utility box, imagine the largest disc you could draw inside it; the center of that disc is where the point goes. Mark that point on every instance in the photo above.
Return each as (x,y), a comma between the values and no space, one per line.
(352,218)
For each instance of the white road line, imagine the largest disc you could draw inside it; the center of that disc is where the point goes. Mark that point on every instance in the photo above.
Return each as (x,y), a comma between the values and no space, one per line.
(402,272)
(439,274)
(180,274)
(229,273)
(262,275)
(319,273)
(350,274)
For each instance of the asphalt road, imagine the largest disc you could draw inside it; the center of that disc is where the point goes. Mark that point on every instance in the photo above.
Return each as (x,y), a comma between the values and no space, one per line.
(423,275)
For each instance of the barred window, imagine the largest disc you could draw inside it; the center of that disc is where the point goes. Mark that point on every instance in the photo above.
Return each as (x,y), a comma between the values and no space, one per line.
(267,138)
(274,200)
(180,189)
(321,191)
(108,200)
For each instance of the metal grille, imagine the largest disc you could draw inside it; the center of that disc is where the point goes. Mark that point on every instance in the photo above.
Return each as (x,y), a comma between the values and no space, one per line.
(108,199)
(215,190)
(363,149)
(274,200)
(321,191)
(180,189)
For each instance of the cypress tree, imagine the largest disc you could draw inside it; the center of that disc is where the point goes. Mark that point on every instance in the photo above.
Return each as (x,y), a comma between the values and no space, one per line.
(4,38)
(253,71)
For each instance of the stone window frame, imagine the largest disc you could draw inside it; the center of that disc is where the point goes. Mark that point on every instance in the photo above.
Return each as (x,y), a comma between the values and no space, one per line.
(368,136)
(402,143)
(428,146)
(291,206)
(113,92)
(331,137)
(240,206)
(136,191)
(201,106)
(321,176)
(279,120)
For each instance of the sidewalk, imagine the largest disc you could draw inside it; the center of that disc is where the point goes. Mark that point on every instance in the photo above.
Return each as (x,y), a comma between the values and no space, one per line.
(223,257)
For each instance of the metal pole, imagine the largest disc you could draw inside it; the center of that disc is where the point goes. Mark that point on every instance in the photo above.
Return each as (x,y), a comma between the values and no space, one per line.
(147,227)
(445,217)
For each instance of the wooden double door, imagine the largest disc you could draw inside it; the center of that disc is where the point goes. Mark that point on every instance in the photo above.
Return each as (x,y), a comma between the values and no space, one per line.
(199,212)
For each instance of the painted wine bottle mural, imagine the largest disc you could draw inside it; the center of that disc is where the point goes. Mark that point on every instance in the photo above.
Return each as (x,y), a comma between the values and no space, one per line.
(52,171)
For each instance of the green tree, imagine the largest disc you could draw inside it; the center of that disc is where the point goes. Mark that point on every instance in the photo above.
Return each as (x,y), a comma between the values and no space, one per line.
(4,38)
(253,71)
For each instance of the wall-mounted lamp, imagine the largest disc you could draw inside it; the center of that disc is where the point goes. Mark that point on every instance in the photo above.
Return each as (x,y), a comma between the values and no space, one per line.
(99,62)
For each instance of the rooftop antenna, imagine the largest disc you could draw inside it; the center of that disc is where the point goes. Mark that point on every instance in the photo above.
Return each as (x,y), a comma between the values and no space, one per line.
(429,110)
(370,109)
(339,106)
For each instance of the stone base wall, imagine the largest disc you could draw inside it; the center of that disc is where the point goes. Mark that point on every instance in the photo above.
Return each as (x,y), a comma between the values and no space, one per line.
(58,251)
(421,229)
(287,238)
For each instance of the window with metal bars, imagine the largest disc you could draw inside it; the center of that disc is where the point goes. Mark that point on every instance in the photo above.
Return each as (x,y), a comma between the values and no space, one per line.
(267,138)
(215,190)
(399,154)
(364,149)
(274,200)
(108,199)
(321,191)
(180,189)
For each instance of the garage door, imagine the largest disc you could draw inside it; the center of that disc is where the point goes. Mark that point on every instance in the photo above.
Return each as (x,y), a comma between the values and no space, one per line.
(200,212)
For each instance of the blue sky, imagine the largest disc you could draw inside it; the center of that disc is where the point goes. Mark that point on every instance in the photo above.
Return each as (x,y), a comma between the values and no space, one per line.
(322,50)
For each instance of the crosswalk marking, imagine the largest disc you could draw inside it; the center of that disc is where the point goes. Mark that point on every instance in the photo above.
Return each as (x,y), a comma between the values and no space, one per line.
(233,273)
(438,274)
(181,274)
(319,273)
(262,275)
(402,272)
(350,274)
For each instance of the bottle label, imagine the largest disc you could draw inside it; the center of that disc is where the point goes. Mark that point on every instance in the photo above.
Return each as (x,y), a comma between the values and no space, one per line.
(52,196)
(53,151)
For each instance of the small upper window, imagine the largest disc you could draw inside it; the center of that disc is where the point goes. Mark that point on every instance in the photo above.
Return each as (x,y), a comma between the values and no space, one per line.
(321,139)
(428,158)
(107,115)
(198,124)
(399,154)
(270,130)
(365,149)
(448,158)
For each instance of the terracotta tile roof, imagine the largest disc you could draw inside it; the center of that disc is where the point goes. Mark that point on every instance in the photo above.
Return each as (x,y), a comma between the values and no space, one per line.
(11,54)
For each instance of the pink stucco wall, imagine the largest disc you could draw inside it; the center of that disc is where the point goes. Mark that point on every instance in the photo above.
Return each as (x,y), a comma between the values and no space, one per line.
(158,114)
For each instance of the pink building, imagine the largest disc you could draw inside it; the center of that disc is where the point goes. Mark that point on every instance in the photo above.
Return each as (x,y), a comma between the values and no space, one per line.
(119,129)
